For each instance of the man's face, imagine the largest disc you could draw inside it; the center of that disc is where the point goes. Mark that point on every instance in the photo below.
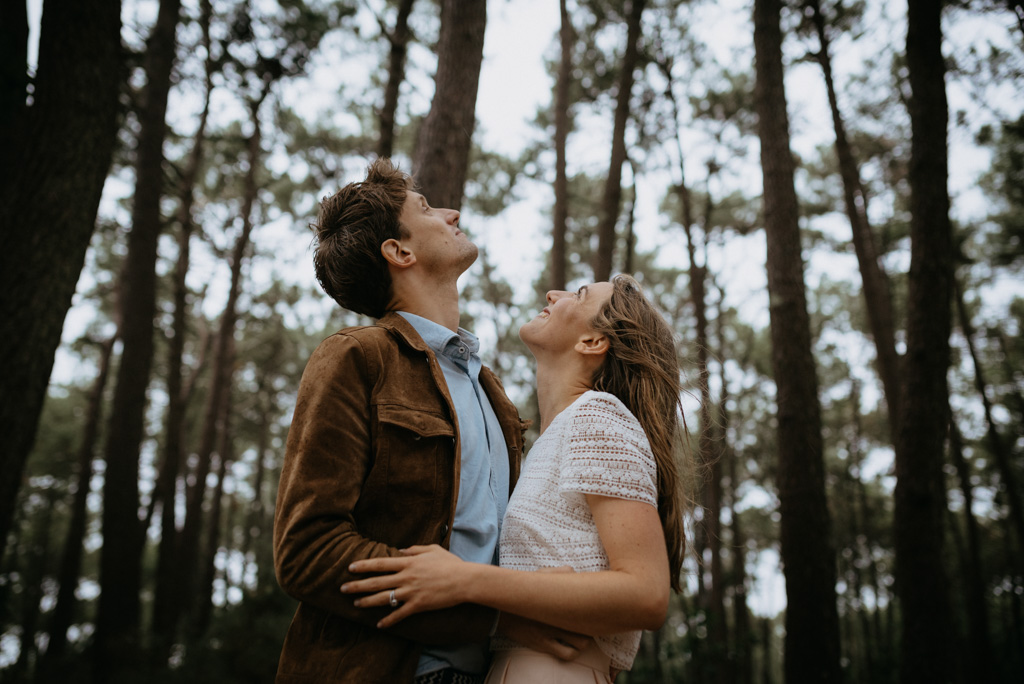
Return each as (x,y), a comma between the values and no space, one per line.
(434,237)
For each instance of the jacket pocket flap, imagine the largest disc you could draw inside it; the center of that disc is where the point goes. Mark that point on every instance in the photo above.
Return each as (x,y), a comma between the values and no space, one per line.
(421,423)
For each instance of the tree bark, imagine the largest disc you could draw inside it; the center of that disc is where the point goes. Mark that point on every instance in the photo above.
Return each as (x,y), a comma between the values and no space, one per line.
(996,445)
(52,170)
(875,283)
(561,210)
(446,137)
(611,199)
(163,627)
(975,589)
(398,38)
(189,556)
(117,619)
(812,623)
(920,497)
(51,666)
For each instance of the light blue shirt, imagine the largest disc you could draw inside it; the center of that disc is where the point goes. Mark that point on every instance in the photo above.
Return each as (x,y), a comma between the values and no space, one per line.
(484,472)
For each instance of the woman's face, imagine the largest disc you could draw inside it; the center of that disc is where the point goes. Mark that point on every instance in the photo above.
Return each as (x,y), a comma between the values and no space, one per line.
(566,319)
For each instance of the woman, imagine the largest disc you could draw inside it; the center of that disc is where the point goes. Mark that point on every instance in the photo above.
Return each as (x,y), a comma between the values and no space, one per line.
(598,492)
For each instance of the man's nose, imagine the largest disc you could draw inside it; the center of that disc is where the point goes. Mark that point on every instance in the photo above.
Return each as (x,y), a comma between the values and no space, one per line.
(453,216)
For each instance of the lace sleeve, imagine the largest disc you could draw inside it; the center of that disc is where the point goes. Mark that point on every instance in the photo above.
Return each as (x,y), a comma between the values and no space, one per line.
(607,453)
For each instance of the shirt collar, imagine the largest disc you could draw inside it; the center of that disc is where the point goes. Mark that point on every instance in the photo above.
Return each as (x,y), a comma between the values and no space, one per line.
(458,345)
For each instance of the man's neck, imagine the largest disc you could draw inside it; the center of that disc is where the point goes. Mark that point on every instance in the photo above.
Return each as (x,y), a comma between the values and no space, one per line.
(439,306)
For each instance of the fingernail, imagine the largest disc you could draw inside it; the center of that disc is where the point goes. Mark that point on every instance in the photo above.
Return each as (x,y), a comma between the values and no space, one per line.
(344,588)
(357,602)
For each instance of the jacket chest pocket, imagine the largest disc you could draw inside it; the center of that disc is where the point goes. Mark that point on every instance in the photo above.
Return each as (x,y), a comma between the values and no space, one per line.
(418,447)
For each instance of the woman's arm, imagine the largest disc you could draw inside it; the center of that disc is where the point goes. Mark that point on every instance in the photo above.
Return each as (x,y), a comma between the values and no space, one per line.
(631,594)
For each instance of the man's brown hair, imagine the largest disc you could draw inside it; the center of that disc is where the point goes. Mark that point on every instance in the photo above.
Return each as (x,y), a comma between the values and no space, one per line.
(350,228)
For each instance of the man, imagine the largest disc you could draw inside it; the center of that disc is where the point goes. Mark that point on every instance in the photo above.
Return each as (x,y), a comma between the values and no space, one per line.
(399,437)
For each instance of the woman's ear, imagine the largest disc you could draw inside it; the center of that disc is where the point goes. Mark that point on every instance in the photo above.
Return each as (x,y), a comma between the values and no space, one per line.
(397,254)
(592,343)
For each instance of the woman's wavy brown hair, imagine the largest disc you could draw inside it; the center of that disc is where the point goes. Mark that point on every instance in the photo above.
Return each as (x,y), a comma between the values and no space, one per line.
(642,370)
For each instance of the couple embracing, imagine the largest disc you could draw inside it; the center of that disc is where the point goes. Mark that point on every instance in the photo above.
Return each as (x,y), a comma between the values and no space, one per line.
(422,547)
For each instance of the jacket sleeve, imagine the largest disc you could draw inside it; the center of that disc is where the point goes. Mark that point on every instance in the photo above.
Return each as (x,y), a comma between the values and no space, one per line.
(328,456)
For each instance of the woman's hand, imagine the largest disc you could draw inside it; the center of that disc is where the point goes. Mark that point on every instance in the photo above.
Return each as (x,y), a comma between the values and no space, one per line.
(426,578)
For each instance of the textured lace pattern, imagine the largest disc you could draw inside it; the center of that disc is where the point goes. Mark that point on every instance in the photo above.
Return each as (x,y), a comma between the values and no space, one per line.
(595,446)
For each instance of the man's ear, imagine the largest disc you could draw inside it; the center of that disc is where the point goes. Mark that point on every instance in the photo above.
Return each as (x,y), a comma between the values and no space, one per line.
(592,343)
(397,254)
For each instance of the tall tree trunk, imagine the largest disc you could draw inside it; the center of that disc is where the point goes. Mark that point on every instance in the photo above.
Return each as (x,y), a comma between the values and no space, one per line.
(975,589)
(446,137)
(117,619)
(611,199)
(812,623)
(51,666)
(859,530)
(52,168)
(163,627)
(920,497)
(875,283)
(398,38)
(996,444)
(13,73)
(566,36)
(32,584)
(189,556)
(742,672)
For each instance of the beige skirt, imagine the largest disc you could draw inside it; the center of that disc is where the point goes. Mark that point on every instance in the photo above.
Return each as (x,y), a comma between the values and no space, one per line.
(525,666)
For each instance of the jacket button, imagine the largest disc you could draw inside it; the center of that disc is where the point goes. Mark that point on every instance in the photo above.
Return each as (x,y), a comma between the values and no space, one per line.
(444,531)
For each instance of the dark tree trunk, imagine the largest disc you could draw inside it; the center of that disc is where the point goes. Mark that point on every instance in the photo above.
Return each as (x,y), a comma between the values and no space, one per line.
(189,552)
(117,620)
(812,623)
(60,148)
(996,444)
(51,667)
(32,583)
(875,284)
(442,149)
(975,590)
(13,72)
(920,497)
(398,38)
(611,199)
(165,593)
(566,36)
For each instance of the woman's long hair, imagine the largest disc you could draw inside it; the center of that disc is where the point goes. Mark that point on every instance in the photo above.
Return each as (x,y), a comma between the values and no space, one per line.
(642,370)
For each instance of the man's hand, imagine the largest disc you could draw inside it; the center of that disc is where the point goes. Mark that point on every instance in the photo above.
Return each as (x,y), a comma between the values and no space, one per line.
(542,638)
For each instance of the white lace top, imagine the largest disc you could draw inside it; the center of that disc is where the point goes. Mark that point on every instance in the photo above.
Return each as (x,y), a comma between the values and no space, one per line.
(595,446)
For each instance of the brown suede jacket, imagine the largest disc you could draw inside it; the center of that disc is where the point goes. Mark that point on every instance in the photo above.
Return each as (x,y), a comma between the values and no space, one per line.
(372,466)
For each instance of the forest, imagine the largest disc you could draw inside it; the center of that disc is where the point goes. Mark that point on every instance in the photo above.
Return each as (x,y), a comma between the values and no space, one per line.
(824,197)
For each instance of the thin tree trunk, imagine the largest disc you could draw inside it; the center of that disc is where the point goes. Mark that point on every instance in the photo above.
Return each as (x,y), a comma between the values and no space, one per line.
(975,589)
(859,530)
(163,627)
(398,38)
(566,36)
(189,547)
(995,441)
(117,619)
(51,666)
(52,168)
(32,583)
(611,199)
(445,140)
(920,498)
(875,284)
(812,622)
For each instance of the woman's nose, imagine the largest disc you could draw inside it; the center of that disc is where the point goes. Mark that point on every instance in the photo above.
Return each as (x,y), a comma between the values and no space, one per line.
(554,295)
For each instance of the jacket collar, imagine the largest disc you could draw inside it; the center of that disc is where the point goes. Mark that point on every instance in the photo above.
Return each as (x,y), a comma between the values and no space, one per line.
(403,329)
